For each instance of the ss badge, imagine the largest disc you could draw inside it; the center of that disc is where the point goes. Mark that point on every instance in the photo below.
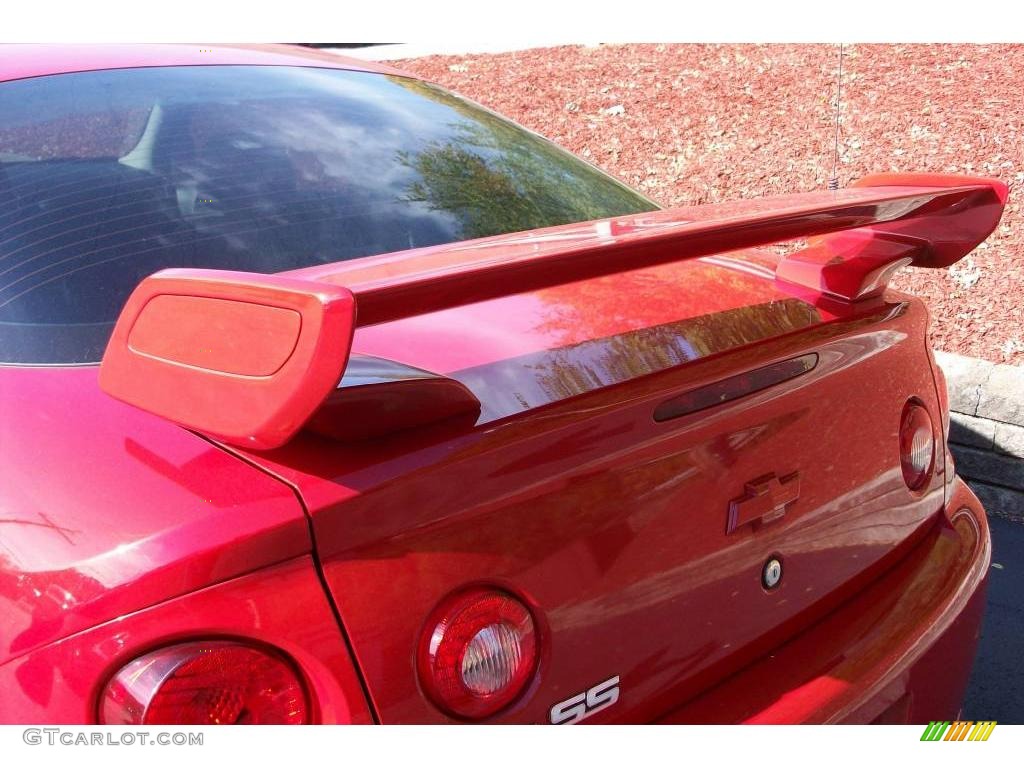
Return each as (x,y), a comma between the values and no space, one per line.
(583,705)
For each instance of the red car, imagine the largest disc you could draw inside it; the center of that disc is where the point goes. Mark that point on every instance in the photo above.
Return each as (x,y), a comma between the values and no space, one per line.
(331,397)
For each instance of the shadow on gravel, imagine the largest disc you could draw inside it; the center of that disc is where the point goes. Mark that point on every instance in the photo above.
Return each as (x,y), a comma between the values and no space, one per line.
(996,688)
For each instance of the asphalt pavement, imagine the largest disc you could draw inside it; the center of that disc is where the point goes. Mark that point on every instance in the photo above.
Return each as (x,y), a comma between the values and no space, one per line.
(996,689)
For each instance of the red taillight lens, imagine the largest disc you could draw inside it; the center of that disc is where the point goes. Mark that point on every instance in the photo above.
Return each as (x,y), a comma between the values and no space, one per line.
(478,652)
(917,445)
(215,683)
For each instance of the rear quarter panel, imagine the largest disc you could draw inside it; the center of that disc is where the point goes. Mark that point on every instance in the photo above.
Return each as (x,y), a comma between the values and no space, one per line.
(283,606)
(105,509)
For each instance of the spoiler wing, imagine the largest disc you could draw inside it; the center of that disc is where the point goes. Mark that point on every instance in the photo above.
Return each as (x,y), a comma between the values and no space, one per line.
(249,358)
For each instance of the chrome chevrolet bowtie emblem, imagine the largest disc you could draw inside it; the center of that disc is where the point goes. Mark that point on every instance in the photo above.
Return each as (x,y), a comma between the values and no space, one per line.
(765,500)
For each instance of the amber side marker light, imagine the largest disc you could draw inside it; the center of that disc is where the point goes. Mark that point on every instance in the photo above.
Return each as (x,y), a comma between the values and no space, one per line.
(917,445)
(206,683)
(478,652)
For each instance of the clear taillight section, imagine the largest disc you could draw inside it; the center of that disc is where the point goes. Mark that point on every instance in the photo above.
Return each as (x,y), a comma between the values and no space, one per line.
(478,653)
(917,445)
(491,659)
(212,683)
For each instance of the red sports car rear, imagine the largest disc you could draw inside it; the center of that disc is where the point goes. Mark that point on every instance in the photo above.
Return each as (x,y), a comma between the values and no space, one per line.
(329,396)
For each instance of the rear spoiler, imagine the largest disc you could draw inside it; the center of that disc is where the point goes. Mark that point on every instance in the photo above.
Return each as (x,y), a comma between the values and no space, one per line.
(249,358)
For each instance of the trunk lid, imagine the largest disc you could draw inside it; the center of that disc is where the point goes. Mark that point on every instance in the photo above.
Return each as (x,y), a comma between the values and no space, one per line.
(610,523)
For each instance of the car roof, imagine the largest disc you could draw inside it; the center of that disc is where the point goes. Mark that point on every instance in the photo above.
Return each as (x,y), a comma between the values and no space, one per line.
(18,61)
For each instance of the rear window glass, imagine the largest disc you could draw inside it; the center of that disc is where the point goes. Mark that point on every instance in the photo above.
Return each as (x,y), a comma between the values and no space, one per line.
(107,177)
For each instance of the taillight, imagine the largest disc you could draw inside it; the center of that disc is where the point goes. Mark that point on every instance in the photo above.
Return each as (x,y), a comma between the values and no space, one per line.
(206,683)
(917,445)
(478,652)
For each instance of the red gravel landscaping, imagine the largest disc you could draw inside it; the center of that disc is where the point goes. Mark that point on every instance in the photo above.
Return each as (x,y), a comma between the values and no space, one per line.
(703,123)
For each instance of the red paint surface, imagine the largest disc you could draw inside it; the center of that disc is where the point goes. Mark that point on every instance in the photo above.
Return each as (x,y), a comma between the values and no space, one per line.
(123,532)
(909,638)
(282,606)
(613,527)
(107,509)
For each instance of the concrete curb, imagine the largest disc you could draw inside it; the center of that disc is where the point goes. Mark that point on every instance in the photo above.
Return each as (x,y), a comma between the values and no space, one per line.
(986,433)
